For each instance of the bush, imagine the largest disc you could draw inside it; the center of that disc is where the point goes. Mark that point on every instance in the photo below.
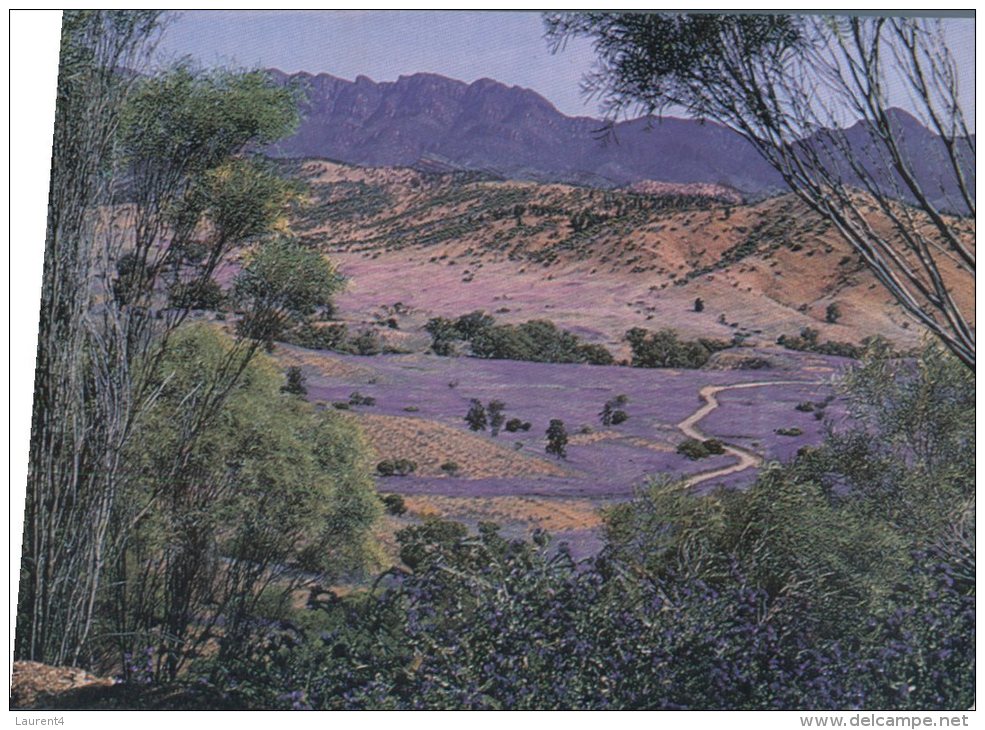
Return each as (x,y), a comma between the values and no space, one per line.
(495,411)
(832,314)
(394,504)
(476,417)
(792,431)
(619,417)
(692,449)
(805,407)
(367,342)
(358,399)
(713,446)
(396,467)
(295,382)
(699,305)
(515,424)
(315,337)
(664,349)
(450,468)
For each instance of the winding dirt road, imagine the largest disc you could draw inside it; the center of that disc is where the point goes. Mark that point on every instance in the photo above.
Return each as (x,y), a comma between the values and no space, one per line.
(688,427)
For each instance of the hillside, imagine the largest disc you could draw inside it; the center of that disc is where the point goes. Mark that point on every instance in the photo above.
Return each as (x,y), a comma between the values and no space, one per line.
(598,262)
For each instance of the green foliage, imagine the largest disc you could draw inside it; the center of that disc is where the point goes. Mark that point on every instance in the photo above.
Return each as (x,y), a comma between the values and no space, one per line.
(268,486)
(476,416)
(695,449)
(396,467)
(494,410)
(832,313)
(196,294)
(664,349)
(699,305)
(450,468)
(515,424)
(536,341)
(557,439)
(358,399)
(366,343)
(807,341)
(906,456)
(782,535)
(318,337)
(282,282)
(394,504)
(423,545)
(790,431)
(295,384)
(202,118)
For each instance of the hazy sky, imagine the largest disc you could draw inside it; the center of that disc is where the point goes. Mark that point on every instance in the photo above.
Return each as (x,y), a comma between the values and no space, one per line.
(505,46)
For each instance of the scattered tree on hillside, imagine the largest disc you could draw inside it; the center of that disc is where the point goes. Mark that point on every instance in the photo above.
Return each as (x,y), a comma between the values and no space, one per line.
(557,439)
(476,417)
(496,417)
(812,94)
(295,384)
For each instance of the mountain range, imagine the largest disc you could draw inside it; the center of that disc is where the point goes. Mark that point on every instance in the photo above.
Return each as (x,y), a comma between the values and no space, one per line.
(436,123)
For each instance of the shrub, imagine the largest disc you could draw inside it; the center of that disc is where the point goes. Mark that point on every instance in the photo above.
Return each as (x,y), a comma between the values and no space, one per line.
(476,417)
(396,467)
(340,405)
(699,305)
(314,337)
(664,349)
(495,412)
(469,325)
(619,417)
(358,399)
(713,446)
(792,431)
(692,449)
(295,382)
(394,504)
(450,468)
(403,467)
(833,313)
(367,342)
(805,407)
(515,424)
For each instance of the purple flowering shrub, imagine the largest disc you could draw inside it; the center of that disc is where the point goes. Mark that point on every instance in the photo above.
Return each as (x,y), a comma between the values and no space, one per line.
(484,622)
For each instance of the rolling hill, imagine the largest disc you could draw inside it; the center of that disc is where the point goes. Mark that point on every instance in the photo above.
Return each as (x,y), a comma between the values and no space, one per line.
(596,261)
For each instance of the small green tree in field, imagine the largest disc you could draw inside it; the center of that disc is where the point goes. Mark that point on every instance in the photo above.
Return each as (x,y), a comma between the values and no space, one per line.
(557,439)
(496,417)
(295,382)
(476,417)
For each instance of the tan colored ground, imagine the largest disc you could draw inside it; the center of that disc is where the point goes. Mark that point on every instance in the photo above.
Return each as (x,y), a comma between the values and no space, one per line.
(553,515)
(432,444)
(32,682)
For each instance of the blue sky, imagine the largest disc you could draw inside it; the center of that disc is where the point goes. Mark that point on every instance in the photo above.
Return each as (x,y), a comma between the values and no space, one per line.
(506,46)
(465,45)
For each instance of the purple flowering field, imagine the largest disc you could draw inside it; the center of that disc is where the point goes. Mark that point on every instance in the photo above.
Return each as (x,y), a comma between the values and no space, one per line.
(604,464)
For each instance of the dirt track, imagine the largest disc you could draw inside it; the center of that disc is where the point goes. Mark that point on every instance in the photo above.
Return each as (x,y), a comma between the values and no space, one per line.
(688,427)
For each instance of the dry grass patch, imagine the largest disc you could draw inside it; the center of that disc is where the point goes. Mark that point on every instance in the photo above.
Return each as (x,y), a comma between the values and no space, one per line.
(433,444)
